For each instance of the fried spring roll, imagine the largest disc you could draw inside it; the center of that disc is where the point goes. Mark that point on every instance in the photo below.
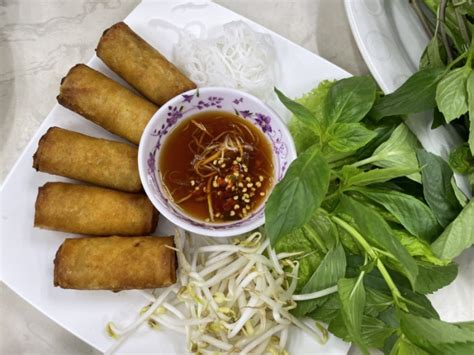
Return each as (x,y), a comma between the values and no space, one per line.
(98,161)
(105,102)
(140,65)
(93,210)
(115,263)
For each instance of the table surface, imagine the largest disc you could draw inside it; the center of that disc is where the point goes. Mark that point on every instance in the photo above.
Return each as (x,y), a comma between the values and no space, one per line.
(41,39)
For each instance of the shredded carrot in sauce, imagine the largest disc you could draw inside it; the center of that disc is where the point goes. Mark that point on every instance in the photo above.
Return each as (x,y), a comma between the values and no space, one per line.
(217,166)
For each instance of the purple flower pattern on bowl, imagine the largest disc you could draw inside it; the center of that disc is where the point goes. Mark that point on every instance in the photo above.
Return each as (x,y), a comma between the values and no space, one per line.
(264,122)
(210,99)
(244,114)
(174,115)
(187,98)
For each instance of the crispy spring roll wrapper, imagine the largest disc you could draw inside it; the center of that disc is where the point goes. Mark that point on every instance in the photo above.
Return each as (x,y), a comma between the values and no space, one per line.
(141,65)
(93,210)
(98,161)
(105,102)
(115,263)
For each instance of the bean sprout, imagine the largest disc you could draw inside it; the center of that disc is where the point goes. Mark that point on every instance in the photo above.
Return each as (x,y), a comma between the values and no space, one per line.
(230,298)
(317,294)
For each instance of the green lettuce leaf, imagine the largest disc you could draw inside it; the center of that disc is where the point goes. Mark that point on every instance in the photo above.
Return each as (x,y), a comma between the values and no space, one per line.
(311,253)
(313,101)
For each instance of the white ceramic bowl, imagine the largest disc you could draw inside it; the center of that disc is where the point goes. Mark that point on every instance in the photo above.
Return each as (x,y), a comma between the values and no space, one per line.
(171,114)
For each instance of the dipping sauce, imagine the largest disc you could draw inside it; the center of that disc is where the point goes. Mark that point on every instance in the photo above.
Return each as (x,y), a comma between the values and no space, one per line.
(217,166)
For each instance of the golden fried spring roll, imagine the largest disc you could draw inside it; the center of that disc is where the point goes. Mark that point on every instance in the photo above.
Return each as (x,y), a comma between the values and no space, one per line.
(93,210)
(115,263)
(98,161)
(141,65)
(105,102)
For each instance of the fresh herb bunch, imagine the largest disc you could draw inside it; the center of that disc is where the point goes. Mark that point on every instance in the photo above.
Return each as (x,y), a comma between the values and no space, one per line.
(445,81)
(370,221)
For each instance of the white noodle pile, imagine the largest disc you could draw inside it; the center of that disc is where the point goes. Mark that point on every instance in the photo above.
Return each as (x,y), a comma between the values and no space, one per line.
(240,58)
(230,298)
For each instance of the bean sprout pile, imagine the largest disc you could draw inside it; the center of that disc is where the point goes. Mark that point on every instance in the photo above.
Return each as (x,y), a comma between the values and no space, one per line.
(230,298)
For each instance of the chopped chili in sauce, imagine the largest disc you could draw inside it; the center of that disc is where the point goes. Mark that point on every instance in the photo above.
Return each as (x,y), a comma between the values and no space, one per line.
(217,166)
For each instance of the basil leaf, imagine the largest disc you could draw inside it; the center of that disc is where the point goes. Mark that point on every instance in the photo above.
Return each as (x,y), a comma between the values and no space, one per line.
(374,332)
(404,347)
(339,328)
(433,277)
(352,297)
(431,57)
(405,185)
(349,100)
(295,198)
(301,113)
(389,343)
(461,159)
(331,269)
(375,175)
(419,304)
(383,132)
(458,236)
(438,192)
(417,94)
(348,241)
(378,233)
(322,229)
(382,211)
(413,214)
(377,302)
(437,337)
(451,95)
(328,311)
(470,97)
(469,325)
(373,278)
(462,199)
(348,137)
(398,150)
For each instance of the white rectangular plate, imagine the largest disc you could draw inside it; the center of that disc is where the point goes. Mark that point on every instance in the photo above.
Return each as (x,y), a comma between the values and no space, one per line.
(27,253)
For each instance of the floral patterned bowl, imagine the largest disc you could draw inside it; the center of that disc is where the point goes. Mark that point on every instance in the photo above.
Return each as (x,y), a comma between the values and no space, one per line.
(200,100)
